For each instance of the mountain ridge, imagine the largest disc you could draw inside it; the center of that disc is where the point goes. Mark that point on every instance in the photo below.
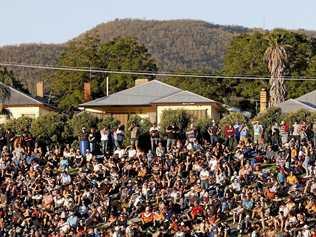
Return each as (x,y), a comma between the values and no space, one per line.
(176,45)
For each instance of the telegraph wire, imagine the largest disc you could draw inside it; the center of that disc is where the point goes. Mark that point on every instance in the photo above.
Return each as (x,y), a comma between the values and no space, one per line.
(143,73)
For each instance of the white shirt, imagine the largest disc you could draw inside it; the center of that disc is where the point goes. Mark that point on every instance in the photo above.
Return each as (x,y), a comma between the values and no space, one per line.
(296,129)
(104,135)
(204,174)
(212,163)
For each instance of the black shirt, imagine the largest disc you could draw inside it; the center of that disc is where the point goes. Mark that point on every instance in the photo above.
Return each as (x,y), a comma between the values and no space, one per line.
(173,132)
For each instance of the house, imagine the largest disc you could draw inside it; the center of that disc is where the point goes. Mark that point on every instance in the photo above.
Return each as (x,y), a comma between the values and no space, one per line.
(149,99)
(19,104)
(307,102)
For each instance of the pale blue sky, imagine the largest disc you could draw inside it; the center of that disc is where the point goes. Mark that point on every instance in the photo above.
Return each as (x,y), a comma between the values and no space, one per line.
(55,21)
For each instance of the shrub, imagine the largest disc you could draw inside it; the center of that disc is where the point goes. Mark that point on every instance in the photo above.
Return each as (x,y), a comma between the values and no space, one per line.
(80,120)
(108,122)
(180,117)
(49,127)
(144,125)
(19,125)
(300,116)
(232,118)
(269,117)
(202,124)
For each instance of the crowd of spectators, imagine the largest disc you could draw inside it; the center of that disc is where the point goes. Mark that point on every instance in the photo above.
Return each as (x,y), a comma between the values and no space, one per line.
(238,181)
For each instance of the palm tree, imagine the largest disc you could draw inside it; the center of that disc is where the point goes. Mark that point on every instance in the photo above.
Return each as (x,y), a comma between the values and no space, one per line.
(276,58)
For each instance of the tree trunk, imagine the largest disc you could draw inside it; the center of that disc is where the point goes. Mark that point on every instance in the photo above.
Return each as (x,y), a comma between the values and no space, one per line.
(277,88)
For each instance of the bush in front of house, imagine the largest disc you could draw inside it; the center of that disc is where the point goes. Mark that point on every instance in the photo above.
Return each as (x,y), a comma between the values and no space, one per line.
(269,117)
(232,118)
(180,117)
(108,122)
(144,125)
(50,128)
(19,125)
(301,115)
(201,125)
(80,120)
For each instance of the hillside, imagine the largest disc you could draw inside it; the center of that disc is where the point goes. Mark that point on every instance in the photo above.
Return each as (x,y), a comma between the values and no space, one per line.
(31,54)
(176,45)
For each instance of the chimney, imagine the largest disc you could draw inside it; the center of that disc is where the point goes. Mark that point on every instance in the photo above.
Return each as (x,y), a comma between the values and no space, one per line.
(263,100)
(87,91)
(40,89)
(140,81)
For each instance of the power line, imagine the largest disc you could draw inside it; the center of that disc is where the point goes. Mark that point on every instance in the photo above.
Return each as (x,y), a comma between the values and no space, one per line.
(161,74)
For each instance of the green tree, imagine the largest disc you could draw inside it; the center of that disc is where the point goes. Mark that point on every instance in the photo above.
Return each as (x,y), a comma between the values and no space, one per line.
(19,125)
(7,77)
(180,117)
(49,127)
(80,120)
(123,54)
(245,56)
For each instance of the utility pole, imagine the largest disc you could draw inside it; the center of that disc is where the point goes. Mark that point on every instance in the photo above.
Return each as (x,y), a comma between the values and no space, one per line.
(107,85)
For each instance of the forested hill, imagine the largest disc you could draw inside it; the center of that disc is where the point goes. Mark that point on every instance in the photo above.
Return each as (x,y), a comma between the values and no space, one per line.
(176,45)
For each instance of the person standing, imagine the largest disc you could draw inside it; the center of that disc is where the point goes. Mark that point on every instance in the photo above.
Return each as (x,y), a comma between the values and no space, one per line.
(172,134)
(296,131)
(2,139)
(105,135)
(154,132)
(213,132)
(284,132)
(229,133)
(257,132)
(237,128)
(191,133)
(119,135)
(135,132)
(93,140)
(10,136)
(243,133)
(84,141)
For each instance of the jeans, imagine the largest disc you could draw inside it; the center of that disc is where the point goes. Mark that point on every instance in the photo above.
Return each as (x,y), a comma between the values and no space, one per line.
(118,143)
(213,139)
(170,142)
(154,143)
(104,145)
(204,184)
(92,147)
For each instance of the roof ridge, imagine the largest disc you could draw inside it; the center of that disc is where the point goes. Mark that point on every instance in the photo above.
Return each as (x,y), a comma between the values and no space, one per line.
(302,103)
(199,95)
(185,91)
(131,88)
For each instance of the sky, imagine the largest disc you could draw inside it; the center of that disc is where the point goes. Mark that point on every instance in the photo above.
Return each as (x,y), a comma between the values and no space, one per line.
(56,21)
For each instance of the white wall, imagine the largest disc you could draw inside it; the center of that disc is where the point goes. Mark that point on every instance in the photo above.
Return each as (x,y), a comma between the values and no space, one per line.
(32,112)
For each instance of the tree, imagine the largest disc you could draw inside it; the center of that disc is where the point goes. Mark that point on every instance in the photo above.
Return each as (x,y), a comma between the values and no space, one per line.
(123,54)
(7,77)
(277,59)
(49,127)
(245,56)
(4,90)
